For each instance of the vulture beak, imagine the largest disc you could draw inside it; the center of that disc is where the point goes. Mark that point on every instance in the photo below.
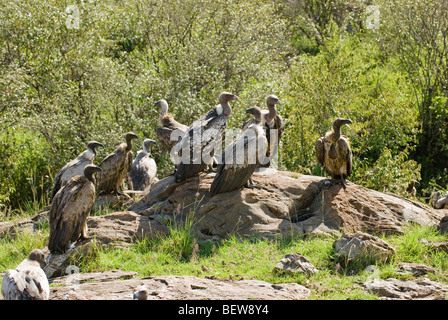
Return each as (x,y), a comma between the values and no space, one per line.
(98,144)
(235,97)
(156,103)
(249,110)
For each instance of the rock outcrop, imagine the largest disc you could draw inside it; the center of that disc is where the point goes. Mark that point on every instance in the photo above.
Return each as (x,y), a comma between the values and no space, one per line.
(175,288)
(360,246)
(420,289)
(284,203)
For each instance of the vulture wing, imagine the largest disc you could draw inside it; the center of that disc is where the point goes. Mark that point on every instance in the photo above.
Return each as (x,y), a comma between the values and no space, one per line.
(71,169)
(202,138)
(320,151)
(239,161)
(345,153)
(114,169)
(69,211)
(143,171)
(26,282)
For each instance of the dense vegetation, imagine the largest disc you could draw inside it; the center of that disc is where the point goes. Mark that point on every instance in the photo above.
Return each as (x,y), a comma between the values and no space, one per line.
(73,71)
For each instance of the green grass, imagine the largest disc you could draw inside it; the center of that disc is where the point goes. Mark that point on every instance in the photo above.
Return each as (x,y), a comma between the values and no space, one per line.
(246,258)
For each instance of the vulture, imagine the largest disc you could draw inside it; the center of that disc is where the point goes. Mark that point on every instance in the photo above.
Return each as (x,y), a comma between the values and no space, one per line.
(201,139)
(75,167)
(144,169)
(69,210)
(168,125)
(241,158)
(27,281)
(115,167)
(334,153)
(272,121)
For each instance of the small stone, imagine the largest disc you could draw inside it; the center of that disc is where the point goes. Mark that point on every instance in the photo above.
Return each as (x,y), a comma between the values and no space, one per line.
(295,263)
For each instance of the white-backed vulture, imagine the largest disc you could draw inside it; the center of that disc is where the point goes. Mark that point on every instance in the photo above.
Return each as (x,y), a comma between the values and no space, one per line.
(167,126)
(27,281)
(115,167)
(75,167)
(240,159)
(144,169)
(273,121)
(202,139)
(69,210)
(334,153)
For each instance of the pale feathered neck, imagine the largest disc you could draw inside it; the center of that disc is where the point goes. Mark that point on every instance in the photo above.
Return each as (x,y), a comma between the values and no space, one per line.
(88,154)
(223,108)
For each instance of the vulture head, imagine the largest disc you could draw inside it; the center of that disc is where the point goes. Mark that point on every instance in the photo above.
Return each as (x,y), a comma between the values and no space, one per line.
(89,170)
(256,112)
(163,105)
(130,136)
(339,122)
(224,99)
(147,143)
(272,100)
(38,255)
(92,145)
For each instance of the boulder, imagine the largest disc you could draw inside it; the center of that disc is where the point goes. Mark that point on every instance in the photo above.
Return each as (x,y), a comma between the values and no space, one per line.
(176,288)
(124,227)
(420,289)
(283,203)
(295,263)
(416,269)
(361,246)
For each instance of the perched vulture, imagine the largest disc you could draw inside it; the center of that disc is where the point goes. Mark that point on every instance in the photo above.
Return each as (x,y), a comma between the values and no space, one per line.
(168,125)
(75,167)
(272,121)
(144,169)
(27,281)
(69,210)
(241,158)
(115,167)
(202,138)
(334,153)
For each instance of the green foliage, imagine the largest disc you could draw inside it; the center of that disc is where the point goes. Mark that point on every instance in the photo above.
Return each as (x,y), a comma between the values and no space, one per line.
(390,173)
(92,70)
(347,79)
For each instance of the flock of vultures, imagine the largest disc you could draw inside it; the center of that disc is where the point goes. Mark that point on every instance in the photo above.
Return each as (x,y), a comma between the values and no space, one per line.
(79,182)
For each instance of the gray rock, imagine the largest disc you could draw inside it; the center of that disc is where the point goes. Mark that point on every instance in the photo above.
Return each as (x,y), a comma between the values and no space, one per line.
(180,288)
(420,289)
(284,203)
(416,269)
(362,245)
(295,263)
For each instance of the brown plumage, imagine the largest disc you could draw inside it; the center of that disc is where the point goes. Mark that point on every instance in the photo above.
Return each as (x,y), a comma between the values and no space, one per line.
(75,167)
(115,167)
(334,153)
(240,159)
(273,126)
(201,140)
(170,131)
(69,210)
(27,281)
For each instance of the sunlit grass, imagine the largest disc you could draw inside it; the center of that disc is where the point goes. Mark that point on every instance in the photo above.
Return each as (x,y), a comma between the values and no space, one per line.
(246,258)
